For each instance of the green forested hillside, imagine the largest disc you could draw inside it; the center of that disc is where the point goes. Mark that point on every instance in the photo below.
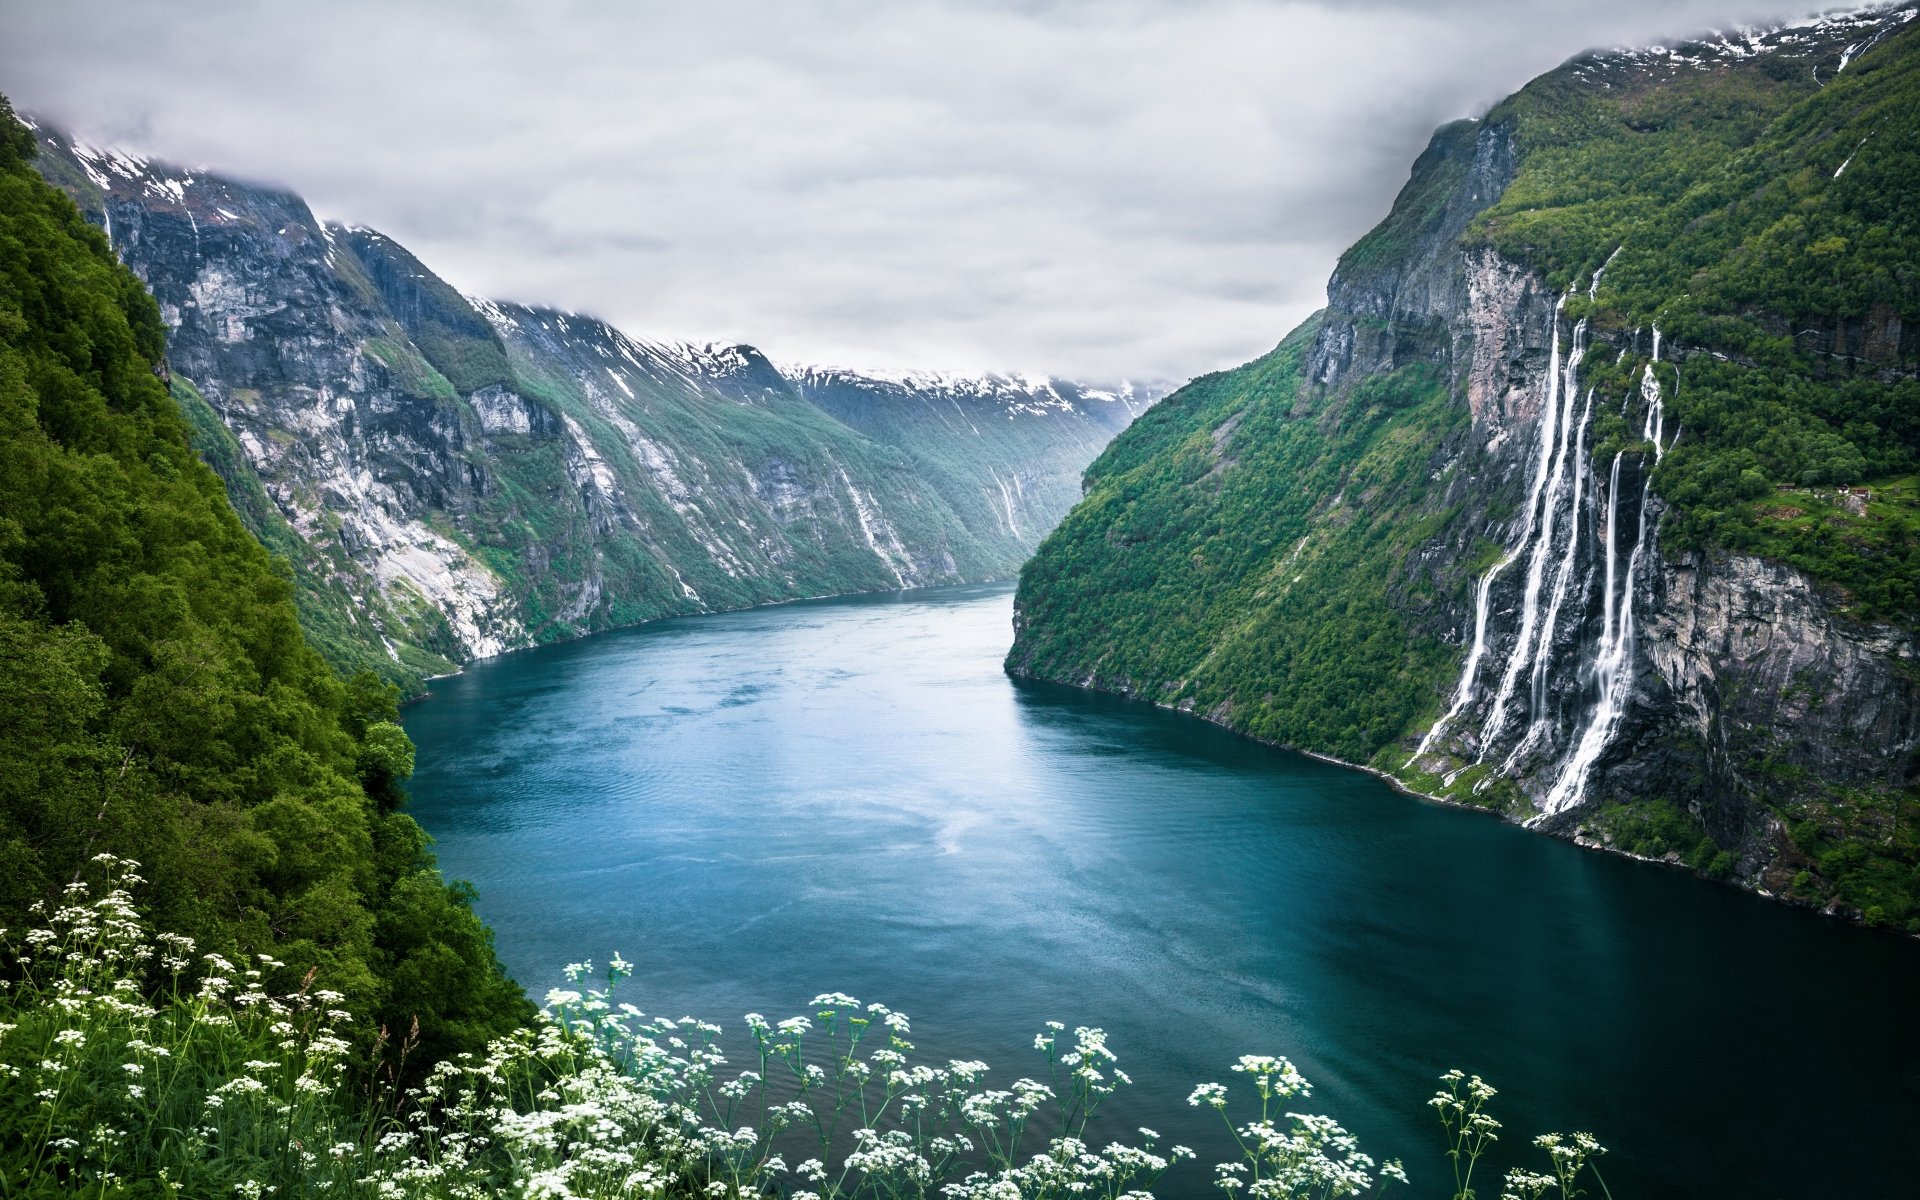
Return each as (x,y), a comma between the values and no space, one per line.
(157,698)
(1299,548)
(1789,285)
(1232,531)
(1766,216)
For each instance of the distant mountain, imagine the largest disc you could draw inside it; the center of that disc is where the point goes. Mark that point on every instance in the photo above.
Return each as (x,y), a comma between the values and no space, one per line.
(451,477)
(1593,497)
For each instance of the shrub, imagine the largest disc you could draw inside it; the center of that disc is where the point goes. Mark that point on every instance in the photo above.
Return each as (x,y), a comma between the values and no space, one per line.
(136,1066)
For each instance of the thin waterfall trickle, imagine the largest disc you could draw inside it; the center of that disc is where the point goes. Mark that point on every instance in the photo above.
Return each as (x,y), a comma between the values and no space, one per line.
(1613,524)
(1593,286)
(1463,691)
(1613,655)
(1656,409)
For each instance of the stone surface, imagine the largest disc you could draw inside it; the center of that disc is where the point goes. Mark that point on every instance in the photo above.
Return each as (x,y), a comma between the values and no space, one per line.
(454,478)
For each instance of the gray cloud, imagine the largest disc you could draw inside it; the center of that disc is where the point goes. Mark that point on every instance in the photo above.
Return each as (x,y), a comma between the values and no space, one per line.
(1135,188)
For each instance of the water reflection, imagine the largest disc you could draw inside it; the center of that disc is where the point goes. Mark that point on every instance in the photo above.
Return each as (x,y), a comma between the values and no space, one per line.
(759,806)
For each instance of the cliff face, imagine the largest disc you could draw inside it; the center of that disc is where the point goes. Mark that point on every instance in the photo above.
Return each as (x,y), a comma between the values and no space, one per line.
(1778,710)
(160,703)
(451,477)
(1594,513)
(1601,673)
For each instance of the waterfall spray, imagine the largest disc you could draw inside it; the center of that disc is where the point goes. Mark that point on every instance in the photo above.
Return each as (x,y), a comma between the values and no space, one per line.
(1526,647)
(1463,691)
(1613,656)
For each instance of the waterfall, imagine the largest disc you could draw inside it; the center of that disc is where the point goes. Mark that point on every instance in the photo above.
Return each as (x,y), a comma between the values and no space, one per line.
(1612,663)
(1565,576)
(1613,655)
(1593,286)
(1613,520)
(1656,410)
(1006,499)
(1550,540)
(1530,645)
(1463,691)
(1539,722)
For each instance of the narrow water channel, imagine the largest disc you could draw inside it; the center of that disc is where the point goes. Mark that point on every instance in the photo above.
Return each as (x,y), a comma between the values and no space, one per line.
(850,796)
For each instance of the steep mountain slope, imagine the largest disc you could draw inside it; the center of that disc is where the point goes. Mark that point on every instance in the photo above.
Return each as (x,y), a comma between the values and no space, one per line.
(452,477)
(950,426)
(157,700)
(1591,496)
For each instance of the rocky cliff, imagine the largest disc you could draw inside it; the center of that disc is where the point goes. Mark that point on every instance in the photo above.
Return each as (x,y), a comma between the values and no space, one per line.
(450,477)
(1590,497)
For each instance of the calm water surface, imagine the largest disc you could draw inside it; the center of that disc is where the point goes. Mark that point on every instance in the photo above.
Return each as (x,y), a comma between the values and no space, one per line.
(849,795)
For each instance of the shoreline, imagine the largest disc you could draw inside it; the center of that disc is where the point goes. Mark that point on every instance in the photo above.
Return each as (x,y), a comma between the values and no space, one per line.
(1574,837)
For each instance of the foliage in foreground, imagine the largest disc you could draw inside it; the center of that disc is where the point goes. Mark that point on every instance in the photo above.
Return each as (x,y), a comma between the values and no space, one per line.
(157,698)
(135,1066)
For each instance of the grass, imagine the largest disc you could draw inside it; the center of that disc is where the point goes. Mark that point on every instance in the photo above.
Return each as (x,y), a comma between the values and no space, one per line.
(138,1067)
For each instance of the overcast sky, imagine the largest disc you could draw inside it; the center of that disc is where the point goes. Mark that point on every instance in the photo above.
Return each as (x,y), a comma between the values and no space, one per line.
(1129,189)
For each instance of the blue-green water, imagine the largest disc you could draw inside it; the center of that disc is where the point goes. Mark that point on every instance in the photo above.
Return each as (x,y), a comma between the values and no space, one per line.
(849,795)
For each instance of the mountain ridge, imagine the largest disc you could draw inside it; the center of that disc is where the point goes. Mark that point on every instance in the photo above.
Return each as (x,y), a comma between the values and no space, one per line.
(452,477)
(162,703)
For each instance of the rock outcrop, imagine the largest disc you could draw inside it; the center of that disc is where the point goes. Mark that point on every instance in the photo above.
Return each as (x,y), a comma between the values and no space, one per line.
(1458,506)
(451,477)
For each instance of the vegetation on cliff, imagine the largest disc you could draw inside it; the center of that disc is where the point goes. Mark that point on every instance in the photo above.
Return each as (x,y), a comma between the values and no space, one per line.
(157,697)
(1290,556)
(1763,219)
(1234,533)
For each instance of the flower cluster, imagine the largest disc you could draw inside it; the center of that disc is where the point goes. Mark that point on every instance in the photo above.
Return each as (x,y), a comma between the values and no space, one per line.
(1307,1156)
(236,1075)
(222,1086)
(1461,1103)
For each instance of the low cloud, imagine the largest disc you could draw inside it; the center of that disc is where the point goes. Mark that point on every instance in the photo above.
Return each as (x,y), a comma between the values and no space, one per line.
(1130,189)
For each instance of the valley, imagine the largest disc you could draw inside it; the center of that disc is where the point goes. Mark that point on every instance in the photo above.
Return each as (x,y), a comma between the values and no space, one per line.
(452,477)
(436,729)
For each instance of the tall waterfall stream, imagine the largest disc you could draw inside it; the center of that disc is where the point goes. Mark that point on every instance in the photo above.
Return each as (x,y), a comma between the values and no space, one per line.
(1569,518)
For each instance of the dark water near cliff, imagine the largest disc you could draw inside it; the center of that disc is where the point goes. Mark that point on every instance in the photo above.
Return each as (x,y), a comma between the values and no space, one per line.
(849,795)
